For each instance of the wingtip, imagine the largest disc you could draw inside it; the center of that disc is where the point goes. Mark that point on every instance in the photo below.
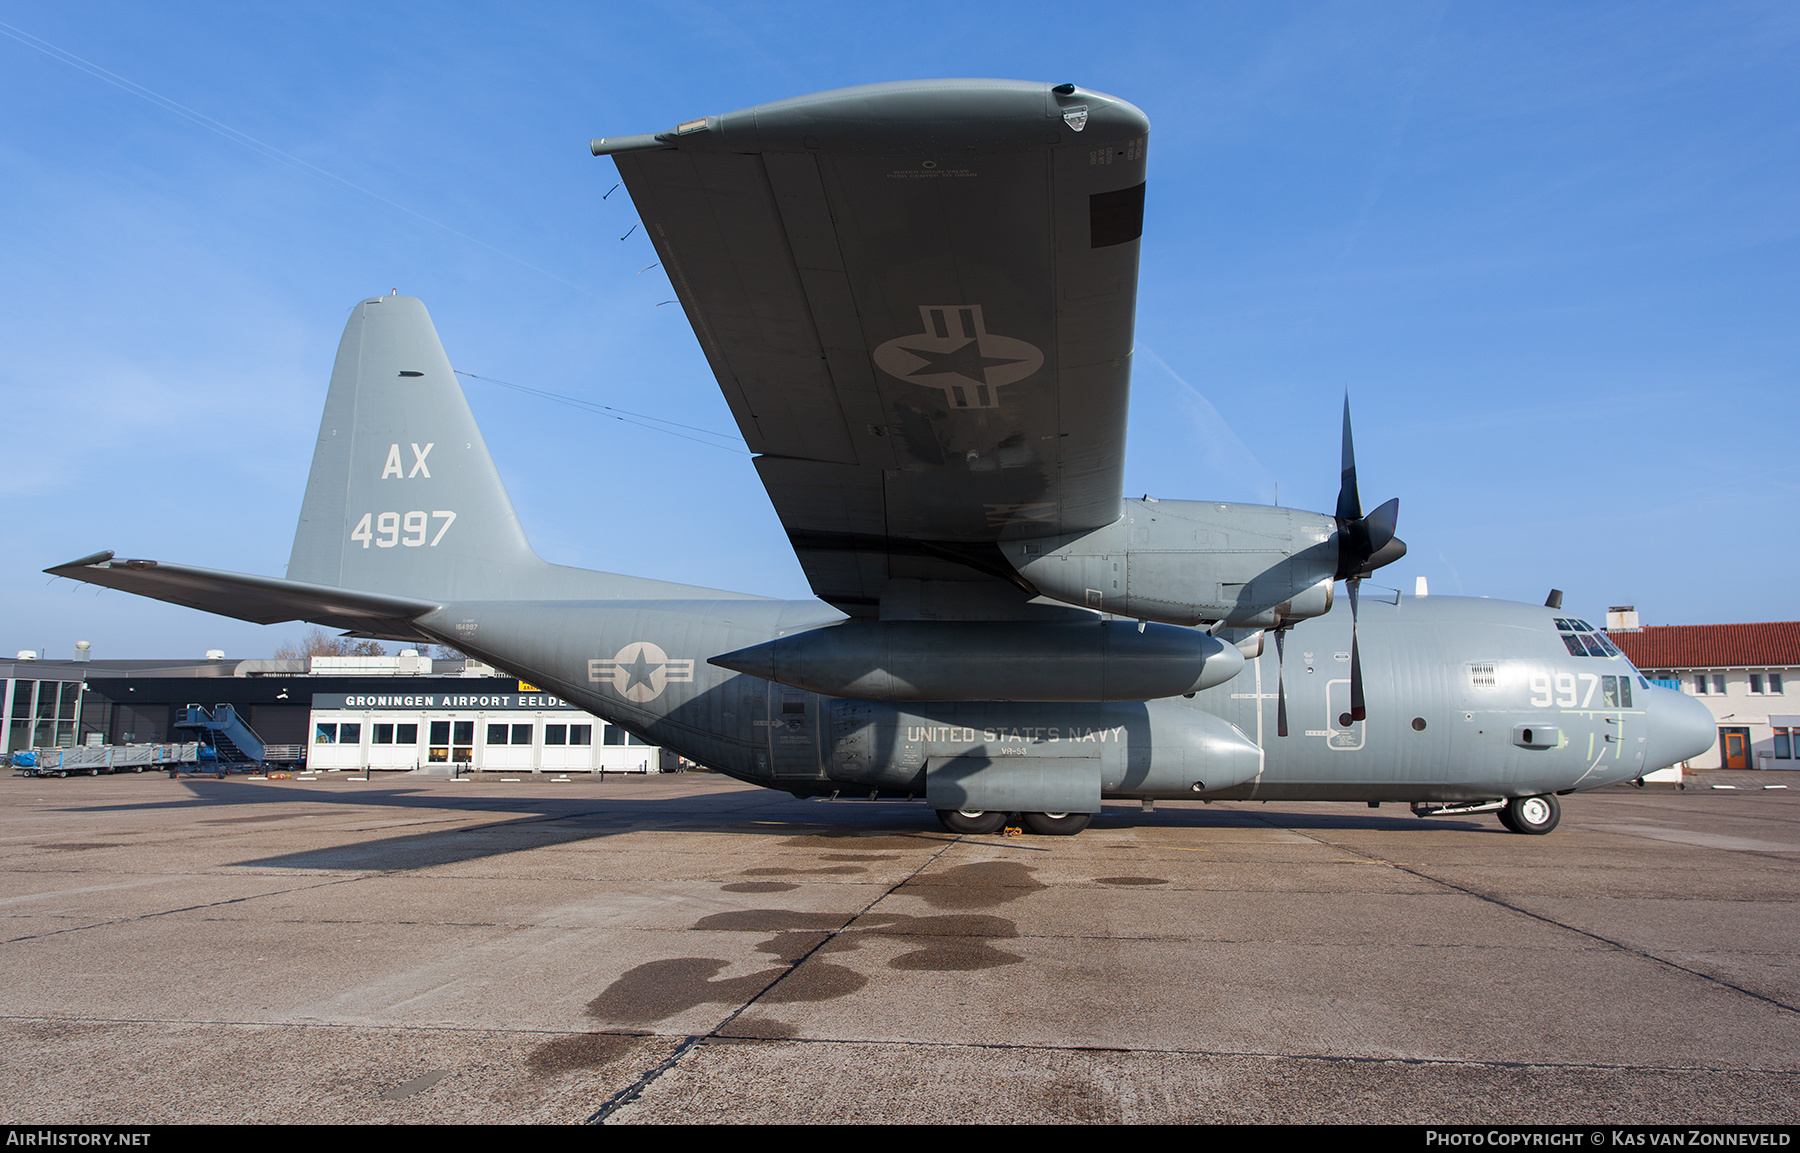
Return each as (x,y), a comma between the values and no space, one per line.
(84,562)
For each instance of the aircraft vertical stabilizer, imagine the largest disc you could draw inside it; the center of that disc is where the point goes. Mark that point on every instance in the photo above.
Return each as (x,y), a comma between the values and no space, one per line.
(403,497)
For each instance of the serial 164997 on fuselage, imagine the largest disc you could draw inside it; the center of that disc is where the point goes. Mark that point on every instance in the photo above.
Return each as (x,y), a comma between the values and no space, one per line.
(918,300)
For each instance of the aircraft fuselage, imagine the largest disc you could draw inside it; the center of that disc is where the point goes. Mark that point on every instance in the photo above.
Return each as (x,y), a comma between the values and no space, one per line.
(1468,700)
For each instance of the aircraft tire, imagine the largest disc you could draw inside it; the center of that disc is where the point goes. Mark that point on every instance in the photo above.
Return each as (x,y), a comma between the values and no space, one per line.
(1056,824)
(1506,818)
(960,822)
(1533,816)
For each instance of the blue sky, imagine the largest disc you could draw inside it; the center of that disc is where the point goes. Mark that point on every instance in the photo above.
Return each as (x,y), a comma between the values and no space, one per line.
(1552,251)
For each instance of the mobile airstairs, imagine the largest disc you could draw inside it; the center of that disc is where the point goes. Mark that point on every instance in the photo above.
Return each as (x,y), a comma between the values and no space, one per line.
(229,744)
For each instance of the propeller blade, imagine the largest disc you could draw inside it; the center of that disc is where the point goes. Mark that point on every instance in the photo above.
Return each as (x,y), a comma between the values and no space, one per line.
(1280,688)
(1381,525)
(1387,554)
(1358,711)
(1349,502)
(1365,543)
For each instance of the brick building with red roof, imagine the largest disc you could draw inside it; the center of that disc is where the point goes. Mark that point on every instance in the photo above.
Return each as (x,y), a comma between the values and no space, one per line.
(1740,672)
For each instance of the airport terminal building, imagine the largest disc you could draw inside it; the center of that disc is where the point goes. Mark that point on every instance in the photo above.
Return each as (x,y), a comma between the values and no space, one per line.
(404,712)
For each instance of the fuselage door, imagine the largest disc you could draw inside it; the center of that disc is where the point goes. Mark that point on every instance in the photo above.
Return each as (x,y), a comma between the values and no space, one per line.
(793,733)
(1342,733)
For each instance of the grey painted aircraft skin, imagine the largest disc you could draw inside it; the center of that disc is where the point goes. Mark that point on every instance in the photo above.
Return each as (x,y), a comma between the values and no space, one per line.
(960,657)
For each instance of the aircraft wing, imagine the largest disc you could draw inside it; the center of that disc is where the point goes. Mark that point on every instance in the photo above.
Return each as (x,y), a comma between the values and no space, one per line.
(918,300)
(261,600)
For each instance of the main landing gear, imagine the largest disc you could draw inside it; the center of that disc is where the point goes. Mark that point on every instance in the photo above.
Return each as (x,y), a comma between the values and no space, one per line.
(1531,815)
(1044,824)
(958,821)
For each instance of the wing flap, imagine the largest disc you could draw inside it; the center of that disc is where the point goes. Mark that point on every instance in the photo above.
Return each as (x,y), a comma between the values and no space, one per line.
(736,267)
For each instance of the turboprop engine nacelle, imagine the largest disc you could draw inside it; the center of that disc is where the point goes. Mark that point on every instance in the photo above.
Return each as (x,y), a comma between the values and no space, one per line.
(1187,562)
(1082,660)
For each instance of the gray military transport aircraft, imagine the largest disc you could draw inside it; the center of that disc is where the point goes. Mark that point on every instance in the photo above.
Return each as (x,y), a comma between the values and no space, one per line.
(918,299)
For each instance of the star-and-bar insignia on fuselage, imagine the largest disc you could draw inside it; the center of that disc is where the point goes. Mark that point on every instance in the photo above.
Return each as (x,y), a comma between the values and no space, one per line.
(640,671)
(958,355)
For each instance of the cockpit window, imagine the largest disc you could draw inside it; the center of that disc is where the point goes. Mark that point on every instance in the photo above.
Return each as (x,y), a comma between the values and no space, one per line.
(1583,639)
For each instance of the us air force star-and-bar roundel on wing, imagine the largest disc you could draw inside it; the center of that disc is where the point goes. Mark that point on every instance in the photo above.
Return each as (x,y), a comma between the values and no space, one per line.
(918,301)
(957,354)
(641,671)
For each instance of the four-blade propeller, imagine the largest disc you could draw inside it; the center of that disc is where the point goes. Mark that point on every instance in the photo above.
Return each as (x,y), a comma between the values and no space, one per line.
(1365,543)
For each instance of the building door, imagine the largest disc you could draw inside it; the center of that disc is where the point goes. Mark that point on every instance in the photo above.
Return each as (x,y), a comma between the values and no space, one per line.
(1734,748)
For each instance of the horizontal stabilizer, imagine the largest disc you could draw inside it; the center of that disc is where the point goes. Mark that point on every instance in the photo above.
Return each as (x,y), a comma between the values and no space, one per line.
(262,600)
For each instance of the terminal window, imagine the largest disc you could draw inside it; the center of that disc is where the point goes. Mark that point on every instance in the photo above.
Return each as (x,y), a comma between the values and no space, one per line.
(44,714)
(451,741)
(568,734)
(394,735)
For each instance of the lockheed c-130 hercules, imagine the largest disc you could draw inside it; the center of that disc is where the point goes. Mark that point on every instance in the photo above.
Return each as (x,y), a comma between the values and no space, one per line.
(918,299)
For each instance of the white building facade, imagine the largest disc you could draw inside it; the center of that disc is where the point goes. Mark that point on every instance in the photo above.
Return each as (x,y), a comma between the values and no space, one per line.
(1748,675)
(462,732)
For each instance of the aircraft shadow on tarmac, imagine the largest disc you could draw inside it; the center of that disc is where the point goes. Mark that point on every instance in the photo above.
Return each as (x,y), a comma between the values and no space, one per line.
(540,822)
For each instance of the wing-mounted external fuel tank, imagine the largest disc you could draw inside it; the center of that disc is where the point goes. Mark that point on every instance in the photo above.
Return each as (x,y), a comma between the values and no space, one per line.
(1063,660)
